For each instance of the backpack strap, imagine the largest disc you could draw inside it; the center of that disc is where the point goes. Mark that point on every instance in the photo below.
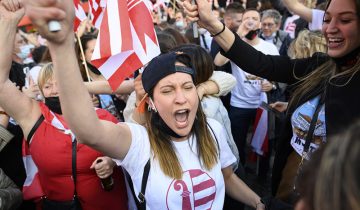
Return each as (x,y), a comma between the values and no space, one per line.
(141,201)
(34,128)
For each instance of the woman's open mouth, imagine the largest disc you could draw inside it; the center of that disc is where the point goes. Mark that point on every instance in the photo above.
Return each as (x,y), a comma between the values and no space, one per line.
(335,42)
(181,117)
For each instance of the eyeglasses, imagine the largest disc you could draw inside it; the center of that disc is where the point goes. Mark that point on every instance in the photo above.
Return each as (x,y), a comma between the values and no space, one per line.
(268,25)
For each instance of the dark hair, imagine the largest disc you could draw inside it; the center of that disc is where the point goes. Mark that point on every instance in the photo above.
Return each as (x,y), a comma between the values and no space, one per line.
(189,35)
(357,3)
(179,38)
(201,60)
(84,41)
(252,4)
(234,7)
(37,53)
(166,42)
(46,57)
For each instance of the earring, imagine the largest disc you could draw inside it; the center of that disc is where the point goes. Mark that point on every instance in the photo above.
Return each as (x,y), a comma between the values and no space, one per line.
(151,106)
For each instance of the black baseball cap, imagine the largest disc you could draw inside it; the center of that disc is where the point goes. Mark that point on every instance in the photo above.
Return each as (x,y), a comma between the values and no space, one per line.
(162,66)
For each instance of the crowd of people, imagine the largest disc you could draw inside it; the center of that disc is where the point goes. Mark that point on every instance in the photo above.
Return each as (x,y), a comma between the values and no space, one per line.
(176,134)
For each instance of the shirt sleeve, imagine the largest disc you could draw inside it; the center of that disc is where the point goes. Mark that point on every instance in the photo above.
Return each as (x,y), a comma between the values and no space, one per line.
(139,151)
(317,20)
(225,81)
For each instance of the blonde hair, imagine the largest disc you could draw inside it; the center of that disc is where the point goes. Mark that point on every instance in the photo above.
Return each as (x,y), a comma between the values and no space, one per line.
(310,3)
(306,44)
(46,73)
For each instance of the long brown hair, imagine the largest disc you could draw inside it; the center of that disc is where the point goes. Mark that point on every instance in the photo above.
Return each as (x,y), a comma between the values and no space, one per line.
(84,41)
(325,74)
(163,148)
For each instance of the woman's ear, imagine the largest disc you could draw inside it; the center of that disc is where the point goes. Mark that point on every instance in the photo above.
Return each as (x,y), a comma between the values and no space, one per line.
(151,105)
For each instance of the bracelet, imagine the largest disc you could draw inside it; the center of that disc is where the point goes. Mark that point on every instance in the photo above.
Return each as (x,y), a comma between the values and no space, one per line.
(222,30)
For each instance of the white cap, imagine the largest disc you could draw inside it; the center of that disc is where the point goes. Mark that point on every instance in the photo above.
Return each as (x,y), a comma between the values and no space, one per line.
(54,26)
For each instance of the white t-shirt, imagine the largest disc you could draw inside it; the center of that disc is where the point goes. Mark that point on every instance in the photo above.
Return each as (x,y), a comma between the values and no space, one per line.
(300,121)
(290,26)
(246,94)
(317,19)
(198,189)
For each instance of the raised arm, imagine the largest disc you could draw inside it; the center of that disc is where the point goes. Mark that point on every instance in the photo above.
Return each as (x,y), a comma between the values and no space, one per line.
(103,87)
(16,104)
(225,82)
(111,139)
(298,8)
(202,13)
(273,68)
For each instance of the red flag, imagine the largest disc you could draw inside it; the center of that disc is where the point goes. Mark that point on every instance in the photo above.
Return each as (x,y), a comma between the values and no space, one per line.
(96,10)
(260,139)
(126,40)
(80,14)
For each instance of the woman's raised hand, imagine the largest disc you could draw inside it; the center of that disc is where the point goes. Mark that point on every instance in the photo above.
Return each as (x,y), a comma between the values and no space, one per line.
(42,11)
(202,13)
(11,10)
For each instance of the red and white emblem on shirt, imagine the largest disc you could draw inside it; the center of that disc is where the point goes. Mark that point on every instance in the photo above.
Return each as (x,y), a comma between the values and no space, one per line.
(196,190)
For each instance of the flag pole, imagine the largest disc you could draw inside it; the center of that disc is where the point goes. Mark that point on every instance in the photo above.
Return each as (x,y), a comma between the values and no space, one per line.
(83,57)
(174,4)
(195,25)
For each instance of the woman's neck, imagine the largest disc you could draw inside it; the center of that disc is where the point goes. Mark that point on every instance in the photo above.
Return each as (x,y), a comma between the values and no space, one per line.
(348,60)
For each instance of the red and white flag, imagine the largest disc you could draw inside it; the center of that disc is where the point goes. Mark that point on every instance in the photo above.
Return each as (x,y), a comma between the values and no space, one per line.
(158,5)
(96,10)
(260,139)
(126,41)
(80,14)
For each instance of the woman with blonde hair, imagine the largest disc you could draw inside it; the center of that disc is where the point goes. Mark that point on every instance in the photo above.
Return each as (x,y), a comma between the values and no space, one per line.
(306,44)
(67,172)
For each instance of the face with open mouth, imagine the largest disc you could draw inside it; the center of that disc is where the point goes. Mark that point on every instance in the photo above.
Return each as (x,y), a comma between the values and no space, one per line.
(176,100)
(341,28)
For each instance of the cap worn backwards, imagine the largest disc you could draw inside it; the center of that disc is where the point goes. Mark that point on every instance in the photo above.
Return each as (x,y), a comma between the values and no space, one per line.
(162,66)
